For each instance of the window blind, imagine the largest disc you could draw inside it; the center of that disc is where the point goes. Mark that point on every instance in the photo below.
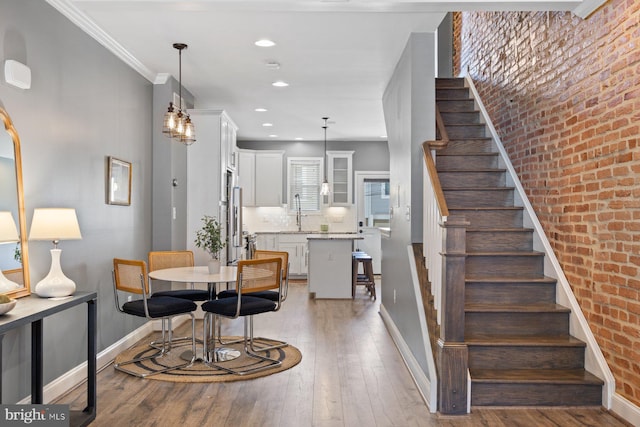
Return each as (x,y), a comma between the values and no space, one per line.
(305,179)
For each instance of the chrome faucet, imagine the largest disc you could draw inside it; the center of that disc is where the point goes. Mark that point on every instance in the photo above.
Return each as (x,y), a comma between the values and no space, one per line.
(298,212)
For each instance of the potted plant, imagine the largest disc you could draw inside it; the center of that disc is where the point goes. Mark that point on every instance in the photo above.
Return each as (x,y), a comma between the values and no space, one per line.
(209,238)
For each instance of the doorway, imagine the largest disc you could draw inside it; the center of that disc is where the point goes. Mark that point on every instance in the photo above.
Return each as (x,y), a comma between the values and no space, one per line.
(372,201)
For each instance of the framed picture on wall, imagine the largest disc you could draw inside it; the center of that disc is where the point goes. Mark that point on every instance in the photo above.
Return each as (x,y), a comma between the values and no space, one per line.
(118,182)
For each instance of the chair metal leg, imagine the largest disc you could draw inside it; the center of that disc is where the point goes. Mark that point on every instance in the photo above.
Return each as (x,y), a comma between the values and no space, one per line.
(165,349)
(209,353)
(252,339)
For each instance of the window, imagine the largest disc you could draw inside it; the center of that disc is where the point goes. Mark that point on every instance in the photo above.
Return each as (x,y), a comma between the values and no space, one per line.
(304,176)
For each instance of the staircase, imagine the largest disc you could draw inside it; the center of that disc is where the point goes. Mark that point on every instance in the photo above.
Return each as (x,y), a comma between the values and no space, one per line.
(520,349)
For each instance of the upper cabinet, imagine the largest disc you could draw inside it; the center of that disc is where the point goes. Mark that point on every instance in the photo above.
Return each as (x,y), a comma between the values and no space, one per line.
(247,176)
(340,171)
(260,176)
(228,150)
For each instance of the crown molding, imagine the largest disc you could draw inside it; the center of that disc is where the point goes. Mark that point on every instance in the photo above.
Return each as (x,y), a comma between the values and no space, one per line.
(80,19)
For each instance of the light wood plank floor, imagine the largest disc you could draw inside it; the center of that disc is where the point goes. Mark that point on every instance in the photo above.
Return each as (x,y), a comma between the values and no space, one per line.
(351,374)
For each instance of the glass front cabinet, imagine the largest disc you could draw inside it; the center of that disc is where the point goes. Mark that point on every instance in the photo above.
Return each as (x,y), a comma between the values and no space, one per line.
(340,175)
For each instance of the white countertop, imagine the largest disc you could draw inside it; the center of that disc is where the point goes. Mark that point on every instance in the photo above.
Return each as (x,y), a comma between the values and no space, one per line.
(334,236)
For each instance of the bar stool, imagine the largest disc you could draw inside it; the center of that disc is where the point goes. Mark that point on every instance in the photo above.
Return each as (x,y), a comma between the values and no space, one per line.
(366,279)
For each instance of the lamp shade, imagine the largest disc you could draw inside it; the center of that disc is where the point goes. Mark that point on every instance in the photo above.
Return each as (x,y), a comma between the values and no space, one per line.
(8,230)
(54,224)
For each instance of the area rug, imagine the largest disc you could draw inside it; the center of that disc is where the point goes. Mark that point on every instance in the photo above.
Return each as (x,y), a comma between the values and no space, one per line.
(201,373)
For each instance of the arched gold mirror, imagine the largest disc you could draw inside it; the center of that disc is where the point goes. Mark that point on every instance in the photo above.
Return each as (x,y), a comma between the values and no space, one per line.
(14,254)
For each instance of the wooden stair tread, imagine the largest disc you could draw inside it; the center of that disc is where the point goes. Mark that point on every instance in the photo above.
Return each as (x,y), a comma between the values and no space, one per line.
(506,253)
(467,154)
(499,229)
(503,279)
(524,341)
(516,308)
(456,170)
(552,376)
(477,188)
(487,208)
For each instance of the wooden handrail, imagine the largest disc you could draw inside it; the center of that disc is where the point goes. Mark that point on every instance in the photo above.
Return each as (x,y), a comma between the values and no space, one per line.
(442,130)
(433,175)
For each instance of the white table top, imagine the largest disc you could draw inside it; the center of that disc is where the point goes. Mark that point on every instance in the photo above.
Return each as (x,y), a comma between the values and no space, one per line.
(199,274)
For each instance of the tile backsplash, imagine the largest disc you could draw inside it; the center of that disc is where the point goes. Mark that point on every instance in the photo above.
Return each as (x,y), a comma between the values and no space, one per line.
(339,219)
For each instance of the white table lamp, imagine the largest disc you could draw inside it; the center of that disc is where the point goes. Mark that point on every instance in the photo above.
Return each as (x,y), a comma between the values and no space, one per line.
(8,234)
(55,224)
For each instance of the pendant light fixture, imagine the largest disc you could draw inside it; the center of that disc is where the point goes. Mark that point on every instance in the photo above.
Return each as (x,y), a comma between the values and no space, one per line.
(324,189)
(178,125)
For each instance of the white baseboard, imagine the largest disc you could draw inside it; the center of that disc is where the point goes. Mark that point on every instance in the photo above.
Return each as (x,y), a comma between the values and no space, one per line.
(625,410)
(419,378)
(78,375)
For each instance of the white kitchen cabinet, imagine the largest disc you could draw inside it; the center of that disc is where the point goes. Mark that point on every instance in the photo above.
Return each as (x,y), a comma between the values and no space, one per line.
(260,176)
(228,131)
(247,176)
(268,178)
(340,171)
(267,241)
(296,245)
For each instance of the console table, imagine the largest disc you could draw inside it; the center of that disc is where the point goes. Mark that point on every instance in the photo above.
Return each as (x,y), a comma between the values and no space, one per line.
(32,310)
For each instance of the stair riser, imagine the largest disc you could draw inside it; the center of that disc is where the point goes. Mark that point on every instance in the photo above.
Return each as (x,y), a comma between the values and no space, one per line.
(466,131)
(490,218)
(462,117)
(525,357)
(469,162)
(456,105)
(495,241)
(471,198)
(471,179)
(492,394)
(504,266)
(536,324)
(510,293)
(445,82)
(459,146)
(452,93)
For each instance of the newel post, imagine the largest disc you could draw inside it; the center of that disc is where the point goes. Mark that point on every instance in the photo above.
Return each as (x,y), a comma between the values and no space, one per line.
(452,351)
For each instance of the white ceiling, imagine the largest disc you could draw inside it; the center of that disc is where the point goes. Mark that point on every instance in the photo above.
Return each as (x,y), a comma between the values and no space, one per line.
(337,55)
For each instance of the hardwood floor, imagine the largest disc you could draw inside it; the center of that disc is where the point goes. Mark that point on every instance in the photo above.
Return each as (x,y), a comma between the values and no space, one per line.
(350,375)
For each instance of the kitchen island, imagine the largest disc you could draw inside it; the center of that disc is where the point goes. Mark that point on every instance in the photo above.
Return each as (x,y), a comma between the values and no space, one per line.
(329,272)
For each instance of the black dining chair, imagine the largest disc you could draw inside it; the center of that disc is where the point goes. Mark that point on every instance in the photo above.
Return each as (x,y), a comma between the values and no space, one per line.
(270,294)
(255,275)
(159,260)
(130,276)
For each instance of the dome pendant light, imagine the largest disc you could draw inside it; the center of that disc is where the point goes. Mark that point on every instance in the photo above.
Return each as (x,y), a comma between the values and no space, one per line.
(178,125)
(324,189)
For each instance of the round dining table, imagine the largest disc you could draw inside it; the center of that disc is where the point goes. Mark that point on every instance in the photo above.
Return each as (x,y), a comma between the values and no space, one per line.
(200,274)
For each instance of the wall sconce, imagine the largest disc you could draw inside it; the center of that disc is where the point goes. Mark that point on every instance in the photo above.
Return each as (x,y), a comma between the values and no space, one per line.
(8,234)
(55,224)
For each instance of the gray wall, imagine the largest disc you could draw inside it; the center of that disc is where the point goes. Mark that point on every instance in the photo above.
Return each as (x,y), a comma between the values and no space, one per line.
(408,100)
(170,162)
(368,155)
(84,104)
(445,47)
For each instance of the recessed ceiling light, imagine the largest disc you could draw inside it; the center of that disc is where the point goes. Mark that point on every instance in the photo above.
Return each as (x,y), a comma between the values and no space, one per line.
(260,110)
(264,43)
(299,139)
(280,83)
(273,136)
(267,125)
(272,65)
(383,136)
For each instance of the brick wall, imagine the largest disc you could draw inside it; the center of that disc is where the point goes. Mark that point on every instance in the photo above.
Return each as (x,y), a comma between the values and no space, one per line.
(564,94)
